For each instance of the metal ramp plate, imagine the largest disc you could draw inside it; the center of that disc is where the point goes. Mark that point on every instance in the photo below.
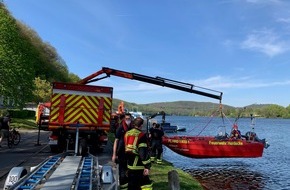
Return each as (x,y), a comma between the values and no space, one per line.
(38,175)
(64,175)
(86,174)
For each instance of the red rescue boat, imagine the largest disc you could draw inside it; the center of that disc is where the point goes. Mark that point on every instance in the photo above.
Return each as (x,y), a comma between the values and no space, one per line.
(212,147)
(223,145)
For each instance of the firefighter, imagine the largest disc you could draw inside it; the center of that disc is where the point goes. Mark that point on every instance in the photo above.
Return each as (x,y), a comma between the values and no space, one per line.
(4,127)
(137,152)
(150,137)
(235,134)
(151,128)
(156,144)
(119,149)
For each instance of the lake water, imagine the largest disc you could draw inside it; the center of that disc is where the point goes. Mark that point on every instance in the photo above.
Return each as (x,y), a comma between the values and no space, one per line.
(272,171)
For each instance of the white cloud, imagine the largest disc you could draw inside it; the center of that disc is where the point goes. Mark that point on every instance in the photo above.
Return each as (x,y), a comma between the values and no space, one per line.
(263,1)
(265,41)
(253,1)
(139,92)
(245,82)
(228,43)
(215,83)
(284,20)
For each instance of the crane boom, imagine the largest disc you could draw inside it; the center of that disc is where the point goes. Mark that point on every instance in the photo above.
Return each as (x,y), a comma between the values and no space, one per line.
(187,87)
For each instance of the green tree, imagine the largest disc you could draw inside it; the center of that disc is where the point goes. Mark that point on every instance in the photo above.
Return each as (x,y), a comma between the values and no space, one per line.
(42,91)
(73,77)
(274,111)
(47,63)
(288,111)
(24,57)
(16,69)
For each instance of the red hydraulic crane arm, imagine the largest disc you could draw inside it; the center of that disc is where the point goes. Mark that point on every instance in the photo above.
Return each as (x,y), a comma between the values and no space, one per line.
(153,80)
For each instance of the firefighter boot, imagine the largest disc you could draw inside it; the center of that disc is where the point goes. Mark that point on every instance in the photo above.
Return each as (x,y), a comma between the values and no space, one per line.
(124,186)
(147,187)
(159,161)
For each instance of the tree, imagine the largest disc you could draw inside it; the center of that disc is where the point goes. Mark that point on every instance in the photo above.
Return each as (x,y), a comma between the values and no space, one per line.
(288,111)
(42,91)
(16,69)
(274,111)
(24,57)
(47,63)
(73,77)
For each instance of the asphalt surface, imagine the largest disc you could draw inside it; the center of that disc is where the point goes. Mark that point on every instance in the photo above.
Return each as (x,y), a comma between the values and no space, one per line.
(27,153)
(32,150)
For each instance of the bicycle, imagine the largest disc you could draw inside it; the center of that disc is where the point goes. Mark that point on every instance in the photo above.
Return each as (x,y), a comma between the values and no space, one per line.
(14,137)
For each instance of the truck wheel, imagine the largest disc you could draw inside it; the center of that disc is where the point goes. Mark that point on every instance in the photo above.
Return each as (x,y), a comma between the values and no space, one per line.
(100,150)
(96,149)
(54,149)
(83,147)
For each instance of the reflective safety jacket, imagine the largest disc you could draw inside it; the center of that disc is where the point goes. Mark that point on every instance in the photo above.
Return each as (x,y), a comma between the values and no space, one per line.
(136,149)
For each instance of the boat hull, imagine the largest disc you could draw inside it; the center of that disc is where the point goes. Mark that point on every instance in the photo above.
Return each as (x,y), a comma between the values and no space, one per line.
(210,147)
(183,129)
(168,128)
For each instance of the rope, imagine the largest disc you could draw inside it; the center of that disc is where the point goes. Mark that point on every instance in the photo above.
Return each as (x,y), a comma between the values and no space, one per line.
(227,119)
(212,116)
(223,116)
(193,129)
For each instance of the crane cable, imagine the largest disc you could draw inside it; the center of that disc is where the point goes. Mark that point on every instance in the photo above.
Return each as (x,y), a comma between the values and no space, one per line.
(212,116)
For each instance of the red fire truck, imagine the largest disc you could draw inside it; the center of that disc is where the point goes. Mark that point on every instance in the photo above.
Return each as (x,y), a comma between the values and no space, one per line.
(85,108)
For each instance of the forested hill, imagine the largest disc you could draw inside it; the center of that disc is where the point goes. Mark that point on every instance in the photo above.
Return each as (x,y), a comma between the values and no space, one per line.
(171,108)
(191,108)
(182,107)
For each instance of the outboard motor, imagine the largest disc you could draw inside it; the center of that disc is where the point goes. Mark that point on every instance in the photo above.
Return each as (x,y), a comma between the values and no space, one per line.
(252,136)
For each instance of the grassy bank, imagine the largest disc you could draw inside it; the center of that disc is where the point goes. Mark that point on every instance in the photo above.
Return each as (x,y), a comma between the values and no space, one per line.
(24,123)
(159,174)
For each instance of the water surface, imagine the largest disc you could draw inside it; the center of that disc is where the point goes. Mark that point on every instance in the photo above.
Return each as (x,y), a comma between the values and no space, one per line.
(270,172)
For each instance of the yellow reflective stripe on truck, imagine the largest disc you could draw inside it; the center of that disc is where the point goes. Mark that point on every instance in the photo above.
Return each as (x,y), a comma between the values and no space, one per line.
(83,109)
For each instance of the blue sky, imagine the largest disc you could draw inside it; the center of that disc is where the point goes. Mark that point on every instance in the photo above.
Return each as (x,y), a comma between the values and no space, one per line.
(238,47)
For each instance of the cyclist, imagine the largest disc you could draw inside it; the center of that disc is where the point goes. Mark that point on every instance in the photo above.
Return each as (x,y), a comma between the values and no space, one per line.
(5,125)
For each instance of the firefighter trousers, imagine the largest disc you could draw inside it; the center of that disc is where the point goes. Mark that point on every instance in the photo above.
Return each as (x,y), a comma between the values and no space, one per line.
(156,147)
(123,174)
(137,181)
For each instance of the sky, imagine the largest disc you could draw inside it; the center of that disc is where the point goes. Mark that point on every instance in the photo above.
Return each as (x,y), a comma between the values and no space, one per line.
(238,47)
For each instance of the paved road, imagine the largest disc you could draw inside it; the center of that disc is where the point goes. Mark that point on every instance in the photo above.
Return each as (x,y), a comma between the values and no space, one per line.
(30,153)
